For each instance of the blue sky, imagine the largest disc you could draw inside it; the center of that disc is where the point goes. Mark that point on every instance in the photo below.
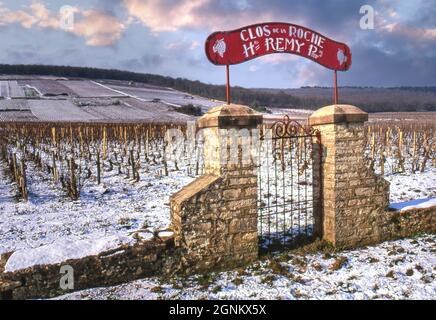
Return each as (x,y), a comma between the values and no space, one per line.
(167,37)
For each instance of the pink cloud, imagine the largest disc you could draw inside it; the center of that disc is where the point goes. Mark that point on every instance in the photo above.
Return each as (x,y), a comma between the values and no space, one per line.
(389,21)
(44,17)
(25,19)
(98,28)
(166,15)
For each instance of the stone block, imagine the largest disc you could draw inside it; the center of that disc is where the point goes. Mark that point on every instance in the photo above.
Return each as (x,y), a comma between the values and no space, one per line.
(232,194)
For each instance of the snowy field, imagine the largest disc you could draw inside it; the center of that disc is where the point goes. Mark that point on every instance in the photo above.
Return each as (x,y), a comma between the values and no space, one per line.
(119,205)
(403,269)
(166,95)
(58,110)
(54,99)
(411,186)
(11,89)
(116,207)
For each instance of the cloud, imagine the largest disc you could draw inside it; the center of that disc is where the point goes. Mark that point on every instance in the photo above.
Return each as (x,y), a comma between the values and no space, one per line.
(97,27)
(22,17)
(306,74)
(35,15)
(275,59)
(400,50)
(164,15)
(44,17)
(378,68)
(410,31)
(173,15)
(184,44)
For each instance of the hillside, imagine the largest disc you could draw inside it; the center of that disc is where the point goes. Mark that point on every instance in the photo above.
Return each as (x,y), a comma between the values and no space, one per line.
(47,99)
(368,98)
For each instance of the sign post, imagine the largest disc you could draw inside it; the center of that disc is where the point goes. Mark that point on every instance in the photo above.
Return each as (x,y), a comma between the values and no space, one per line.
(228,84)
(240,45)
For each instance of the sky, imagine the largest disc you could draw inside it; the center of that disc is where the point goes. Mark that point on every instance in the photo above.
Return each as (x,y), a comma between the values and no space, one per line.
(167,37)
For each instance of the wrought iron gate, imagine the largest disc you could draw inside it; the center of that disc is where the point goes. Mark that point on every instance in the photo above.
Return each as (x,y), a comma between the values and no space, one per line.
(289,195)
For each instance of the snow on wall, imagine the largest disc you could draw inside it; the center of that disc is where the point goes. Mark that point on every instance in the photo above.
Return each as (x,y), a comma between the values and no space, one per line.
(63,250)
(414,204)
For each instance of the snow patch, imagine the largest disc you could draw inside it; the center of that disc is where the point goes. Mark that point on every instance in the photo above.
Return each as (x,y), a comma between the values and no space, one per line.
(146,235)
(165,234)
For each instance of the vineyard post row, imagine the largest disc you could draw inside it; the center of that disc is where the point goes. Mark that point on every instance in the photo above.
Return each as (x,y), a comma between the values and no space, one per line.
(400,147)
(74,153)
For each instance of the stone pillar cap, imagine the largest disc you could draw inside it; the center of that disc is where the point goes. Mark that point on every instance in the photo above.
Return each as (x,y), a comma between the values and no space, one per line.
(230,116)
(338,113)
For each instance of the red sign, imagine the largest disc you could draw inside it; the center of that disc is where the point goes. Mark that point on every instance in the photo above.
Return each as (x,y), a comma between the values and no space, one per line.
(233,47)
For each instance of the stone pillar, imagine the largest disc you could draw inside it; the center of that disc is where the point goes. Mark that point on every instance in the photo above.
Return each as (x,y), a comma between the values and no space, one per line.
(214,218)
(354,197)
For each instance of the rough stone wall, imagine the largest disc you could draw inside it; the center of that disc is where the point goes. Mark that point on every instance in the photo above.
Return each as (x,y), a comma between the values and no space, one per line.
(354,197)
(402,224)
(123,264)
(215,217)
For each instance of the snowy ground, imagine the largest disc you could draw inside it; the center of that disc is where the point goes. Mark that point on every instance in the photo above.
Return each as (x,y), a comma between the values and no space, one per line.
(403,269)
(52,100)
(116,207)
(119,206)
(411,186)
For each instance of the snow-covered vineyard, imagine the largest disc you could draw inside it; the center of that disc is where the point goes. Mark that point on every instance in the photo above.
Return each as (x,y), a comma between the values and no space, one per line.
(399,269)
(70,191)
(120,204)
(117,206)
(217,152)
